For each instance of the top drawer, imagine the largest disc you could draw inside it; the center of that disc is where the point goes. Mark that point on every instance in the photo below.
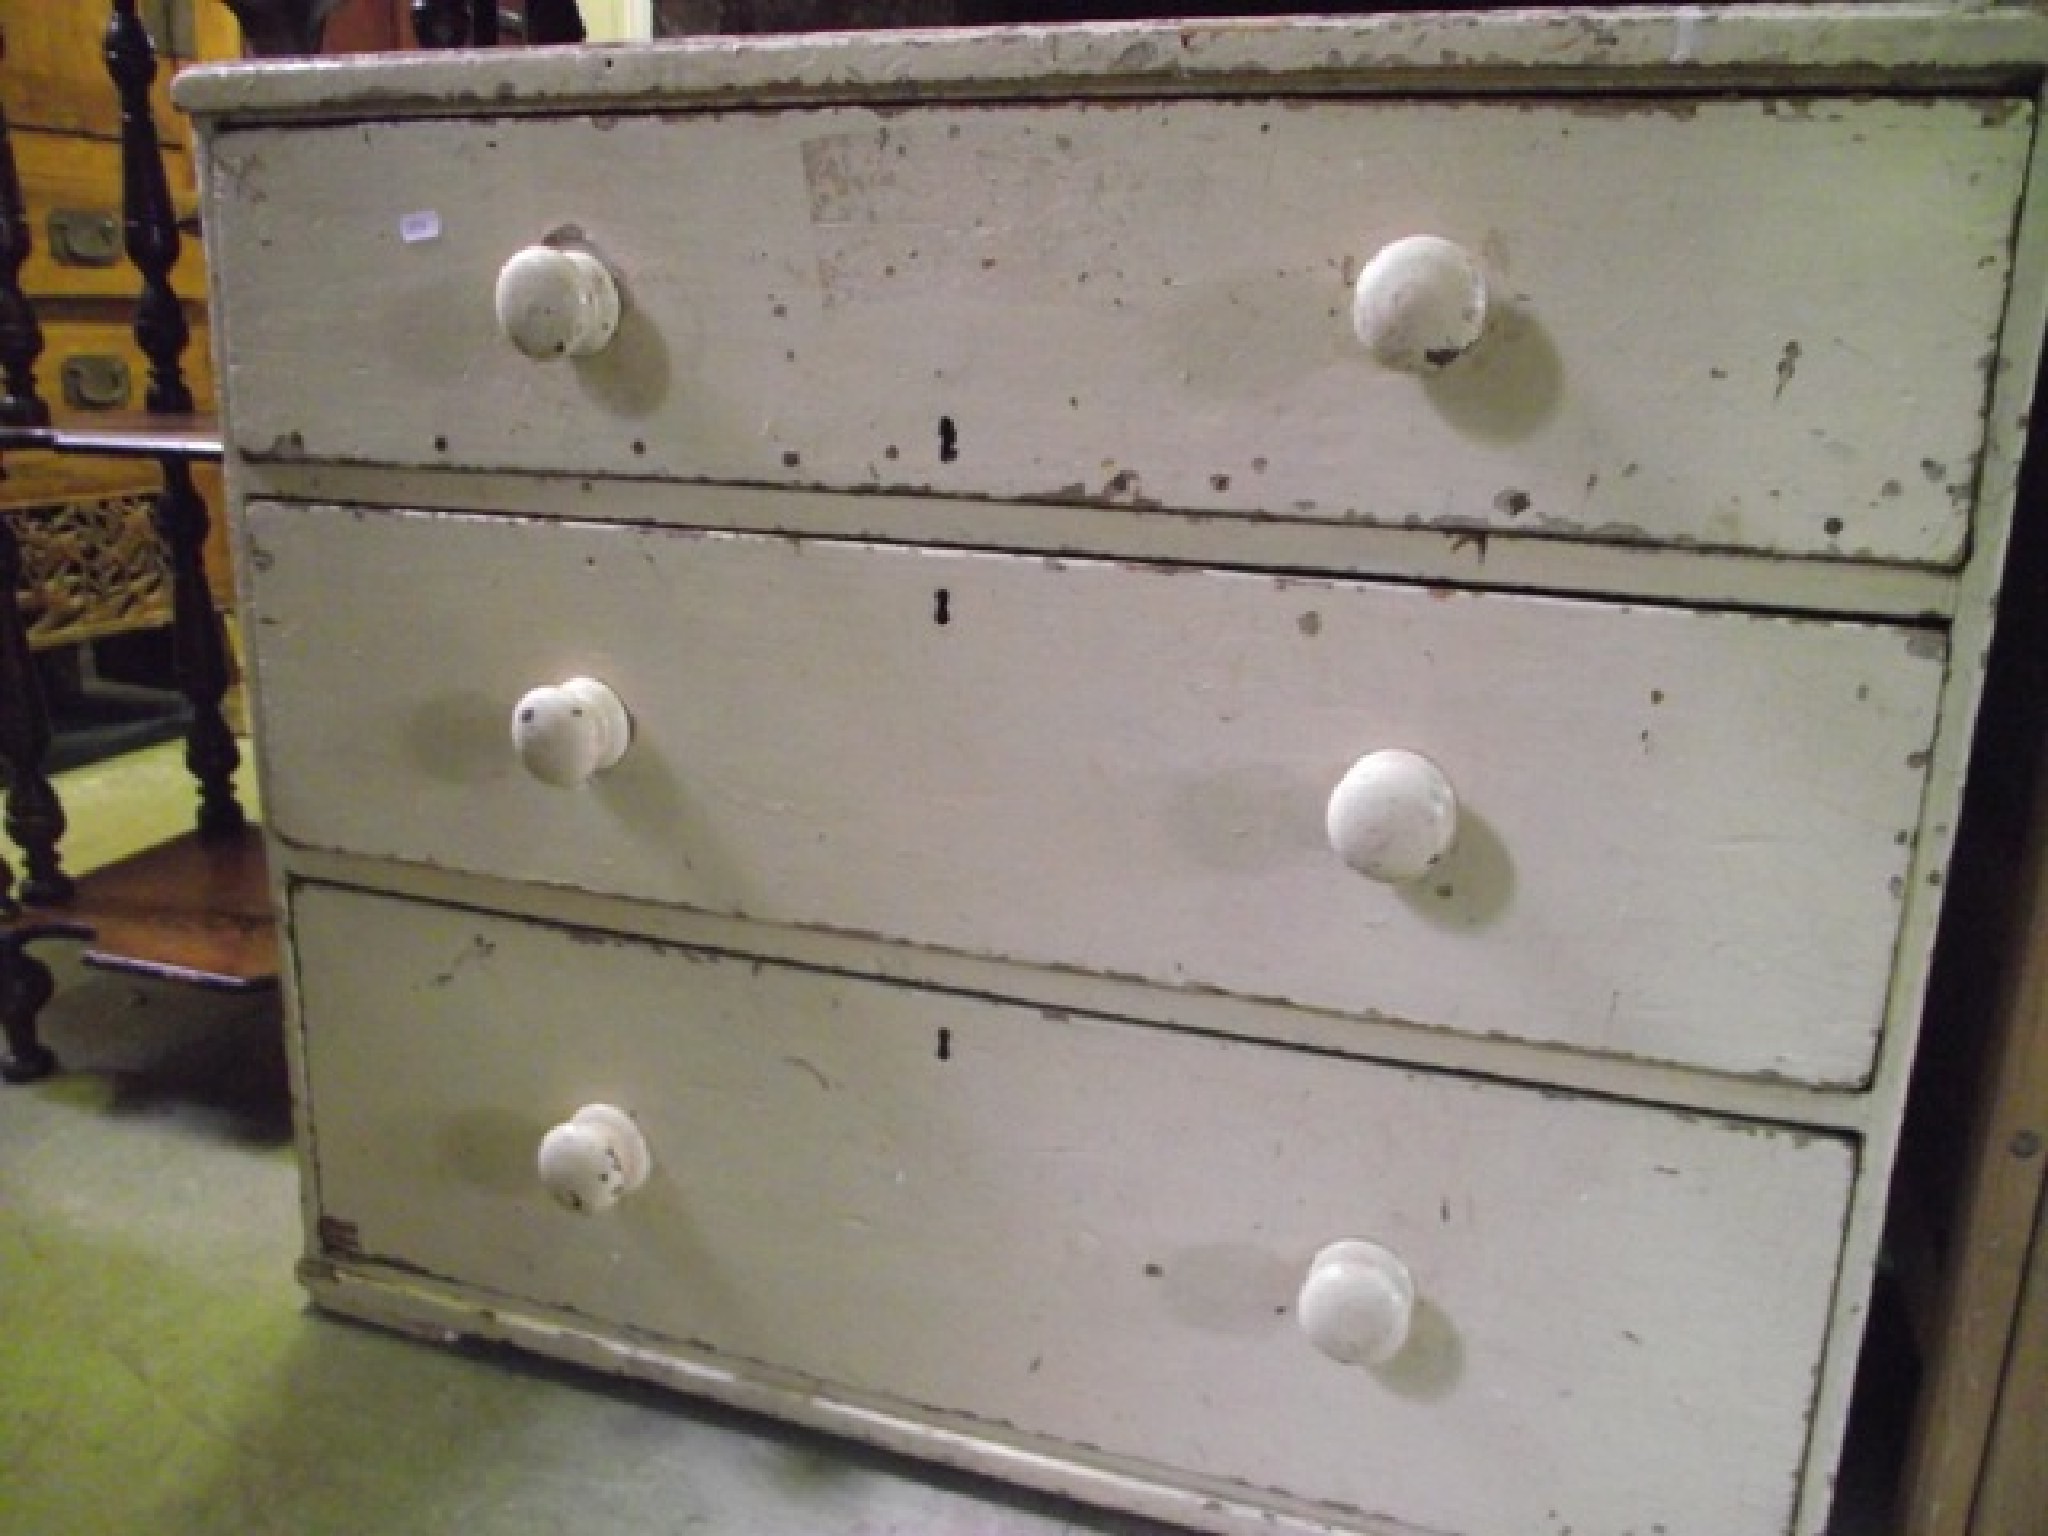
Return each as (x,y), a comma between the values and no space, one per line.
(1745,324)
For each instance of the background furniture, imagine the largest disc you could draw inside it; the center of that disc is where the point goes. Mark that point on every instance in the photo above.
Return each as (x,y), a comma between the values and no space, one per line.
(280,27)
(92,564)
(1123,876)
(1976,1465)
(198,908)
(1965,1232)
(478,23)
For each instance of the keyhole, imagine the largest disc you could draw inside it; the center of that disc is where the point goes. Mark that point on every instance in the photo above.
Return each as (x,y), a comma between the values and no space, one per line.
(942,612)
(949,440)
(945,1045)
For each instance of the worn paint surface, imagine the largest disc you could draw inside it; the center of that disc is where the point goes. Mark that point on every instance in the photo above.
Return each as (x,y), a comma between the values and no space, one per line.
(1849,217)
(1088,1230)
(1127,771)
(1480,561)
(1711,323)
(1701,46)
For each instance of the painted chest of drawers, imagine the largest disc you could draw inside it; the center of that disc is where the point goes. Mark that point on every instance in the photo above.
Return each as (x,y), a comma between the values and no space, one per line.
(1209,765)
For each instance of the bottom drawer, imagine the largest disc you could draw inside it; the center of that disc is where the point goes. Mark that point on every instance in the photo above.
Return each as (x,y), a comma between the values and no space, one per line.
(1079,1229)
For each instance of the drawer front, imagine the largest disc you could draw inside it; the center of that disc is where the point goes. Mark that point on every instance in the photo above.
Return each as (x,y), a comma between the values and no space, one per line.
(89,367)
(1681,835)
(1087,1230)
(83,365)
(77,183)
(1759,325)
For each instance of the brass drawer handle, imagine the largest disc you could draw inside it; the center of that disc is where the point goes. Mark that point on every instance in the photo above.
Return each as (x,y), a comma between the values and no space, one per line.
(96,381)
(85,237)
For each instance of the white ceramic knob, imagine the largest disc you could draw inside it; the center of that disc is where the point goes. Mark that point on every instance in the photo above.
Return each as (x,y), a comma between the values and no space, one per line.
(1420,304)
(1394,816)
(594,1159)
(569,733)
(1357,1303)
(554,302)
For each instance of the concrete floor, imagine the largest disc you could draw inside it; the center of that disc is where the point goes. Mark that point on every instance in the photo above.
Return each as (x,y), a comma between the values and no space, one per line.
(160,1372)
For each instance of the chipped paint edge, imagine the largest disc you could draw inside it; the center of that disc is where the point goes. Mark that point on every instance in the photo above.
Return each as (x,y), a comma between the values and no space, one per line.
(1384,1041)
(2004,48)
(446,1314)
(1440,556)
(1694,46)
(1978,592)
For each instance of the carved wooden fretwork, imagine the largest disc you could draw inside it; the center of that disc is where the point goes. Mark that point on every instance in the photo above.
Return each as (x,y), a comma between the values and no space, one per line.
(91,568)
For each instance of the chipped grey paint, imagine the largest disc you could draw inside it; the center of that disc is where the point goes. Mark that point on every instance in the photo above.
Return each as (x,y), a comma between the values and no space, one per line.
(1679,46)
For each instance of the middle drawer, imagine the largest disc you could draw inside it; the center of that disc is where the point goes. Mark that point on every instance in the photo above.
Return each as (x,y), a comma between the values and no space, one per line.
(1681,836)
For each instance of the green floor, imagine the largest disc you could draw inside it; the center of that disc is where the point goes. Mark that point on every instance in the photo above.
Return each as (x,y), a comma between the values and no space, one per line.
(160,1373)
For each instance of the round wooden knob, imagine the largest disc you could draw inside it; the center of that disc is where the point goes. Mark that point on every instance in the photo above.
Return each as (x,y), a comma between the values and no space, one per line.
(1420,304)
(1357,1303)
(569,733)
(1394,816)
(594,1159)
(557,303)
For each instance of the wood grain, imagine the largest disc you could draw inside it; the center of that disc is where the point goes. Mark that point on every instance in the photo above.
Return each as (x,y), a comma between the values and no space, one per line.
(57,77)
(193,909)
(1987,1250)
(2012,1496)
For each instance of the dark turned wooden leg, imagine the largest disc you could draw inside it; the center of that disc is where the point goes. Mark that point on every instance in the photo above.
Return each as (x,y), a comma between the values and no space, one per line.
(21,706)
(21,338)
(441,23)
(199,652)
(34,817)
(151,228)
(25,986)
(9,907)
(149,223)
